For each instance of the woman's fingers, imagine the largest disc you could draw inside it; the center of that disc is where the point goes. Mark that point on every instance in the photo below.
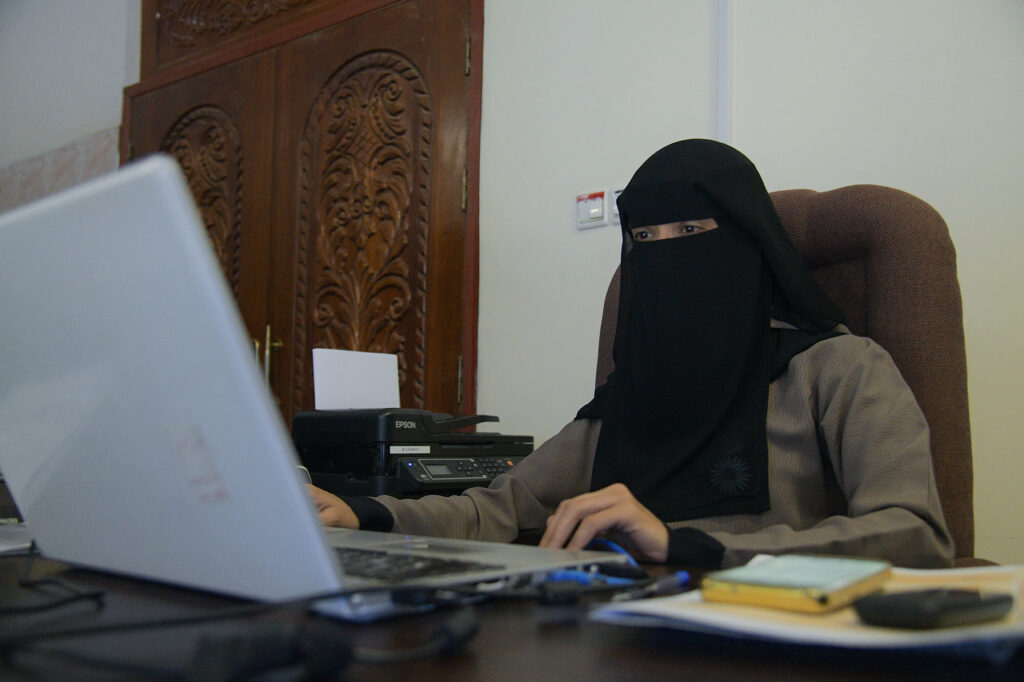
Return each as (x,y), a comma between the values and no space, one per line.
(613,510)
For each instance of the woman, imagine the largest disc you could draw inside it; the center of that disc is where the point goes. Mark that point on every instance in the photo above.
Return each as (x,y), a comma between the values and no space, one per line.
(741,417)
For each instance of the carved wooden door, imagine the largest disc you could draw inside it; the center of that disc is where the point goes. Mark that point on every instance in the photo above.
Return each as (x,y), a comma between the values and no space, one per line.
(331,172)
(216,126)
(373,185)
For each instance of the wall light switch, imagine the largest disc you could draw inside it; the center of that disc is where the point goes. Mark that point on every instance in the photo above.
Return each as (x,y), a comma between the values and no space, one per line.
(614,200)
(591,210)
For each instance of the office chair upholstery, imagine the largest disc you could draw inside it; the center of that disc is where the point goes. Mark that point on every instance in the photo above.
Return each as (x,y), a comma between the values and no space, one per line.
(885,257)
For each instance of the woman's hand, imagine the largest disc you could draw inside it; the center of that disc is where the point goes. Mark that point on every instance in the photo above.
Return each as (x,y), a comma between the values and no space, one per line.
(612,512)
(332,511)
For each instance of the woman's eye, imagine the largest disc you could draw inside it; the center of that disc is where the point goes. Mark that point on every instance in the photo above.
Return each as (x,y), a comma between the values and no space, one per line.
(690,229)
(641,235)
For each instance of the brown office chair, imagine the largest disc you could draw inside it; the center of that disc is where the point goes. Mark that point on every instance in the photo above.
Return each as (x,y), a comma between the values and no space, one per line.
(885,257)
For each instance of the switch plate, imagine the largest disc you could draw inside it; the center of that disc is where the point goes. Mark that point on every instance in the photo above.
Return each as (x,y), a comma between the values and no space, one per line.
(591,210)
(615,205)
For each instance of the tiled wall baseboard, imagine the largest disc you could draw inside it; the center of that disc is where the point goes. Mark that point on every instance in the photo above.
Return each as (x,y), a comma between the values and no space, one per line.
(66,166)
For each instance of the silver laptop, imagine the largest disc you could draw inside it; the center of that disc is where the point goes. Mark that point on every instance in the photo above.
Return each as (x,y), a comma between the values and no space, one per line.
(136,433)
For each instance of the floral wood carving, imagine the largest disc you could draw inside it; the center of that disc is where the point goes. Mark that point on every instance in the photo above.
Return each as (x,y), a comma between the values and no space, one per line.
(186,20)
(206,143)
(362,234)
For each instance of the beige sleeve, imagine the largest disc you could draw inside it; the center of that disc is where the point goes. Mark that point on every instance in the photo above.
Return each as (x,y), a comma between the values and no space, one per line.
(519,500)
(876,440)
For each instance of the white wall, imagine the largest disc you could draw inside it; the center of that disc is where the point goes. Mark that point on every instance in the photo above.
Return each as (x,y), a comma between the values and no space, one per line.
(63,65)
(576,94)
(921,94)
(927,96)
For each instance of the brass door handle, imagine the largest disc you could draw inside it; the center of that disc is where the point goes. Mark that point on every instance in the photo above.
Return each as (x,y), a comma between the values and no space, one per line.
(270,344)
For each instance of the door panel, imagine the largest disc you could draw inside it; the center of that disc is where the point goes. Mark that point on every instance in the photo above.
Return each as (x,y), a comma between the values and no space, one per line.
(371,151)
(216,125)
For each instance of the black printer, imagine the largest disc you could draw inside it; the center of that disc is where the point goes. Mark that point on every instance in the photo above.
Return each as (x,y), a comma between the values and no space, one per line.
(401,452)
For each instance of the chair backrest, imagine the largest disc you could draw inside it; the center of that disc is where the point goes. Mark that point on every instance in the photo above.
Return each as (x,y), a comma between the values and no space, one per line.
(885,257)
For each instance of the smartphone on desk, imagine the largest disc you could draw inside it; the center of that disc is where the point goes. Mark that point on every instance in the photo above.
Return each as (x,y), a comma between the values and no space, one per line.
(811,584)
(933,608)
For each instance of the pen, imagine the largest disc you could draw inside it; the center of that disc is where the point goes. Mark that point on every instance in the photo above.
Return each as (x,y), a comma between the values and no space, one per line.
(663,585)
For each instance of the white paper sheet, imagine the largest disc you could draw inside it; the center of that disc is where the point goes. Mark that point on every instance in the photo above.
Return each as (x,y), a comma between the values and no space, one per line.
(996,641)
(346,379)
(14,538)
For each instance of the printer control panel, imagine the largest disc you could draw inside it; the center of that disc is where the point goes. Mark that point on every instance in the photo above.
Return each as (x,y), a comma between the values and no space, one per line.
(427,473)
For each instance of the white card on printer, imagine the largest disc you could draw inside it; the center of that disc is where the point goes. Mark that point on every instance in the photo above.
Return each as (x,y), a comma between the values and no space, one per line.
(347,379)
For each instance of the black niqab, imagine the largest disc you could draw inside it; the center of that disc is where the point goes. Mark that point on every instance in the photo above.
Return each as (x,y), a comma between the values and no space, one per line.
(683,413)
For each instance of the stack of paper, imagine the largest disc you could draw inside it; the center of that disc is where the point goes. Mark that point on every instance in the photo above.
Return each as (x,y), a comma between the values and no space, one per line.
(995,641)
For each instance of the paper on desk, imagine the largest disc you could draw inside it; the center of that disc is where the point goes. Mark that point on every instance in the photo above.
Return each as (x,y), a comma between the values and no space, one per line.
(346,379)
(996,641)
(14,538)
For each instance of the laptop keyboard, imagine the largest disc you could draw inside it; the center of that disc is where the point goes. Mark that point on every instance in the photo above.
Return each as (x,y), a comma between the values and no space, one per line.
(392,567)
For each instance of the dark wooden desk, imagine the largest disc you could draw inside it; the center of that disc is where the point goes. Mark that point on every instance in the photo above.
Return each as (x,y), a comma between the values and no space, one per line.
(517,640)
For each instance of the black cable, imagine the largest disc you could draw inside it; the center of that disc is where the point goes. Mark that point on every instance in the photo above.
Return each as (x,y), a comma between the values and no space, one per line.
(315,650)
(129,669)
(74,594)
(448,639)
(54,604)
(25,638)
(275,650)
(228,613)
(283,650)
(290,649)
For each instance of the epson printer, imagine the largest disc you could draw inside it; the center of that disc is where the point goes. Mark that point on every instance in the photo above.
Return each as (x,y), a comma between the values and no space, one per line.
(401,452)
